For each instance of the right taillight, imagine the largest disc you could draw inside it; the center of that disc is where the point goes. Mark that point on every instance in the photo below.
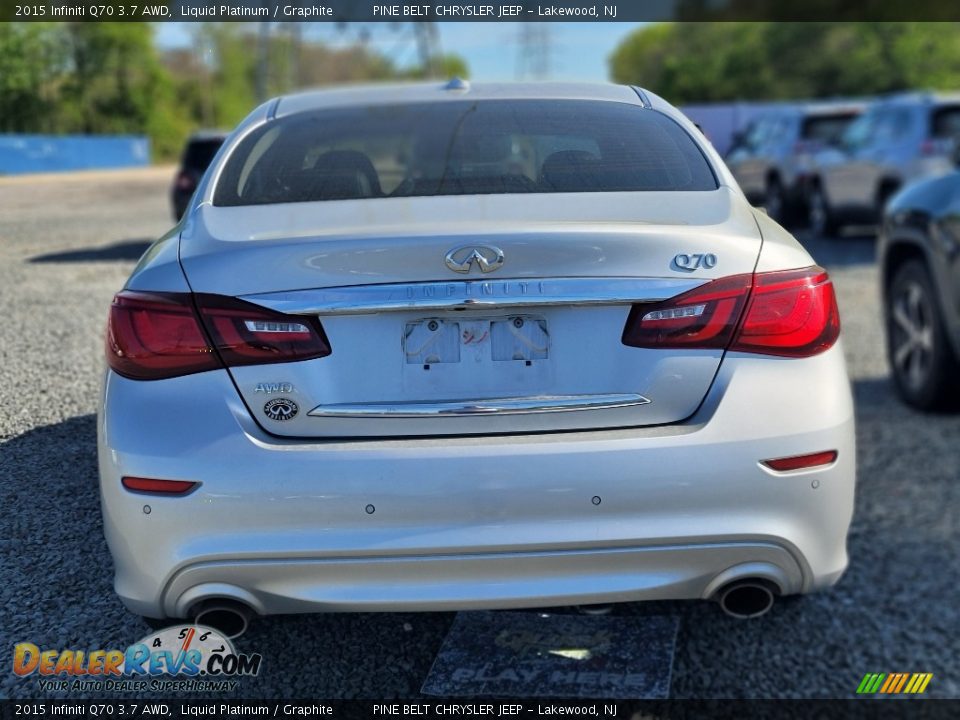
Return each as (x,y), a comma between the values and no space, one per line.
(159,335)
(791,313)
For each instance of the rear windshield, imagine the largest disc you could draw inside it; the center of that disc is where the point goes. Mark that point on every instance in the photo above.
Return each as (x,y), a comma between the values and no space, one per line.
(462,148)
(199,153)
(826,129)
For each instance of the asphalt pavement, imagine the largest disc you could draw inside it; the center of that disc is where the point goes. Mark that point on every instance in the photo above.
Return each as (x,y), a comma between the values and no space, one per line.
(67,243)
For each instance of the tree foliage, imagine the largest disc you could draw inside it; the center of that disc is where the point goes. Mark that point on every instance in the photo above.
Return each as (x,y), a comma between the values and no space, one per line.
(110,78)
(705,62)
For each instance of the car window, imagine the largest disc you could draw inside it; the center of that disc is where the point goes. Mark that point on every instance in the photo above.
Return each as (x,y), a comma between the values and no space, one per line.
(826,129)
(859,132)
(891,125)
(199,153)
(946,122)
(880,126)
(462,147)
(764,131)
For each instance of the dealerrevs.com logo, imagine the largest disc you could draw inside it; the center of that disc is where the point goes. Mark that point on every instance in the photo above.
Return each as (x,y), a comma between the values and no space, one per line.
(180,658)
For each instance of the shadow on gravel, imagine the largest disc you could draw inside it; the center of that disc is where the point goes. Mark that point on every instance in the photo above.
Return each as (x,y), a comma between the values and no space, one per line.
(123,250)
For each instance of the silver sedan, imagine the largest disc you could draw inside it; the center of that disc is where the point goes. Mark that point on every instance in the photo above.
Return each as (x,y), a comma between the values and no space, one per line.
(472,346)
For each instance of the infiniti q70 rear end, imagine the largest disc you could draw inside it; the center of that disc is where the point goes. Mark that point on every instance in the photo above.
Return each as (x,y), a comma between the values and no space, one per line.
(429,348)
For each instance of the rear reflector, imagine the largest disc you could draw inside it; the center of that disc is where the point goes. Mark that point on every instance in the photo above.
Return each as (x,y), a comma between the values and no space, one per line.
(792,313)
(801,462)
(160,335)
(159,487)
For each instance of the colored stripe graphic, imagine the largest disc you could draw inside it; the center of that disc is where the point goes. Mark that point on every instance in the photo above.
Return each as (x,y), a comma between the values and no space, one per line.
(902,681)
(890,683)
(894,683)
(870,683)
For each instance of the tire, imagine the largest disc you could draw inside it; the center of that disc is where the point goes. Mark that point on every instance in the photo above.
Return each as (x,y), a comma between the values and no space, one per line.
(820,217)
(924,369)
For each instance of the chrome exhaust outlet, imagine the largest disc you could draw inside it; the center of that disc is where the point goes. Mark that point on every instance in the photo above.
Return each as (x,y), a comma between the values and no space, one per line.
(744,599)
(229,617)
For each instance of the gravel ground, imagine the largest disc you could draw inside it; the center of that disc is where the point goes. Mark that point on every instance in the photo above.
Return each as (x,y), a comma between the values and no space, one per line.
(68,243)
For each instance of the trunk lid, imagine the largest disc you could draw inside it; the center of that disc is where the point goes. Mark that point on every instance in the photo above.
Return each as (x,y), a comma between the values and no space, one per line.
(418,348)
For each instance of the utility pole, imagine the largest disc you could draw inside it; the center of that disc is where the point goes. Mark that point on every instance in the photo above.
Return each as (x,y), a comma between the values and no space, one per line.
(296,39)
(428,47)
(263,61)
(533,53)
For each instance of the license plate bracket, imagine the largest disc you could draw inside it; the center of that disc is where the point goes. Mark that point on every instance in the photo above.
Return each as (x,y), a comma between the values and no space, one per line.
(438,340)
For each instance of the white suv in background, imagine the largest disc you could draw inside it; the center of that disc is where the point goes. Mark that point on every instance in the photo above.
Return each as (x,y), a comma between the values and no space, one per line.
(899,140)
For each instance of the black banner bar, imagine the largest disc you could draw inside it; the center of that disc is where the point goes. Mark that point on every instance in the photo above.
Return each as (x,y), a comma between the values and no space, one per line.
(340,11)
(486,709)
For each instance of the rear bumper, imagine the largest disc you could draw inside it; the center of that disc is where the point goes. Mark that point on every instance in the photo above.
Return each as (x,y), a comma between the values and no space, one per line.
(430,524)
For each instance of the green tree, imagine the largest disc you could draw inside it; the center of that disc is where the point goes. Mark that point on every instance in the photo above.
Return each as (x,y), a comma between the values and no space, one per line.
(31,68)
(702,62)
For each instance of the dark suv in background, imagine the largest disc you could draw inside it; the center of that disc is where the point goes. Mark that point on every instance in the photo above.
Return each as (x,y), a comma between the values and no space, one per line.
(898,140)
(196,158)
(919,254)
(773,156)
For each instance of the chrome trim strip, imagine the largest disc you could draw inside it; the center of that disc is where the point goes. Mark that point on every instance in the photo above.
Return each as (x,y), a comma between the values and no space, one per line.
(499,406)
(467,294)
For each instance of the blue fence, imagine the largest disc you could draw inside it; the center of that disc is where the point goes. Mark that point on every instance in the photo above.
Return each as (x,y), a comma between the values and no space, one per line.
(58,153)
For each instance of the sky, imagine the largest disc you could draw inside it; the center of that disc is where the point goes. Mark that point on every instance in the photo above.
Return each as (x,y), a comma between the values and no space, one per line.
(577,51)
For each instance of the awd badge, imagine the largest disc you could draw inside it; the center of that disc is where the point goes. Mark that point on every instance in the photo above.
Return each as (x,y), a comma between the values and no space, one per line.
(270,388)
(281,409)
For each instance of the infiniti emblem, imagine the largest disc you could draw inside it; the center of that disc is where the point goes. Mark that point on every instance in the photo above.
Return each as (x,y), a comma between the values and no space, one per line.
(486,257)
(281,409)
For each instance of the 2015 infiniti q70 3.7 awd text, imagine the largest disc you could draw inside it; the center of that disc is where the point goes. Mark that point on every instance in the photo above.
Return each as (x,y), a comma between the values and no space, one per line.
(427,348)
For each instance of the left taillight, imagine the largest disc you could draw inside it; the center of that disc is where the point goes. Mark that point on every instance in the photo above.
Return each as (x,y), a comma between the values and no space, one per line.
(789,313)
(160,335)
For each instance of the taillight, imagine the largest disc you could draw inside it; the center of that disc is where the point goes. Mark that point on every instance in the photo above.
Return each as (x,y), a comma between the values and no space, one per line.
(791,313)
(247,334)
(160,335)
(185,181)
(705,317)
(156,335)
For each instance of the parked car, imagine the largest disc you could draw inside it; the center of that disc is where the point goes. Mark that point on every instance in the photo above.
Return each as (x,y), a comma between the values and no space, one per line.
(197,155)
(899,140)
(773,157)
(919,254)
(473,346)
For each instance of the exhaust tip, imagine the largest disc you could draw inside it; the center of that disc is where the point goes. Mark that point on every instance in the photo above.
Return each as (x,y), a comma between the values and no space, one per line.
(746,599)
(229,617)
